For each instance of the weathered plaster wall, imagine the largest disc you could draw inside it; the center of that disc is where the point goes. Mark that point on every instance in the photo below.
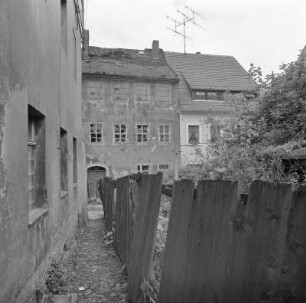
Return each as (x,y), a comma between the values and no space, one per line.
(35,70)
(122,159)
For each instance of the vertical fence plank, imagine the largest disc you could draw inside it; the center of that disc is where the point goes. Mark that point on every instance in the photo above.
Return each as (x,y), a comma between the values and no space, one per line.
(204,246)
(268,211)
(143,234)
(210,242)
(172,279)
(294,268)
(122,222)
(108,186)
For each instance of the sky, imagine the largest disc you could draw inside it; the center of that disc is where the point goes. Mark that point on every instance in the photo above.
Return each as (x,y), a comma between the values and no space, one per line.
(266,33)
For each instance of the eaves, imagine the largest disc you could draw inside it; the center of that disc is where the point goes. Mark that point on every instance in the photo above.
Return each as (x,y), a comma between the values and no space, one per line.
(125,78)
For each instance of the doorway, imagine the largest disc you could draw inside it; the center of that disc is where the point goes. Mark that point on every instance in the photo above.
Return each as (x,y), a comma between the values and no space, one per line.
(94,174)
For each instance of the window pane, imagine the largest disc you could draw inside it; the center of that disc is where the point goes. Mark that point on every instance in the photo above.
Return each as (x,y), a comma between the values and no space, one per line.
(211,96)
(92,138)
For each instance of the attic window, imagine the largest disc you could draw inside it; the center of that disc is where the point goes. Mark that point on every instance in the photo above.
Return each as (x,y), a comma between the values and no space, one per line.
(207,95)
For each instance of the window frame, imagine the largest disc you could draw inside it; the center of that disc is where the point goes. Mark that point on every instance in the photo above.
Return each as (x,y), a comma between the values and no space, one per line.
(199,134)
(164,134)
(120,134)
(204,93)
(142,133)
(139,168)
(96,133)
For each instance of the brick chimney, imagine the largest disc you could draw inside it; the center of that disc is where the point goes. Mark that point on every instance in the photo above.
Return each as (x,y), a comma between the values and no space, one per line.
(85,43)
(155,49)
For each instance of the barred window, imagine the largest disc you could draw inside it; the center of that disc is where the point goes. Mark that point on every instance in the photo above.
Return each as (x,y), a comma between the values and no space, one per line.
(96,132)
(164,135)
(120,133)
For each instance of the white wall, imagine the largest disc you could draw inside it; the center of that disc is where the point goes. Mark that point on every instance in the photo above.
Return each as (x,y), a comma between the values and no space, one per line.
(193,154)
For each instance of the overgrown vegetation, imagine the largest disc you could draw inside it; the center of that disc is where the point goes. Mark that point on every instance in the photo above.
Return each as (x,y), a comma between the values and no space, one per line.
(261,132)
(55,282)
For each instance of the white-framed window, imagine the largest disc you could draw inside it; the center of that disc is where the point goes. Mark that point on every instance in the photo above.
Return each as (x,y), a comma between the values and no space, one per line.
(120,133)
(193,134)
(164,133)
(142,133)
(142,92)
(96,132)
(163,167)
(120,91)
(143,168)
(163,93)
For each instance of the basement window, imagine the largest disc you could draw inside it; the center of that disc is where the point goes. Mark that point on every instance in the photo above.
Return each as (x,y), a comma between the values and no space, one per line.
(143,168)
(163,167)
(36,160)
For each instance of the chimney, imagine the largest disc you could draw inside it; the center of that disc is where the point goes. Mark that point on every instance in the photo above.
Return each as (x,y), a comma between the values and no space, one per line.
(155,49)
(198,53)
(85,43)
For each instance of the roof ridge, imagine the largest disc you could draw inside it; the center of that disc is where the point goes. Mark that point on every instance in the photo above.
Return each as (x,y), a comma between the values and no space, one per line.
(195,54)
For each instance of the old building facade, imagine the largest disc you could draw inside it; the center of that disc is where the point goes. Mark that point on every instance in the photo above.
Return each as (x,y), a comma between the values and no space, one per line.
(42,156)
(130,111)
(204,80)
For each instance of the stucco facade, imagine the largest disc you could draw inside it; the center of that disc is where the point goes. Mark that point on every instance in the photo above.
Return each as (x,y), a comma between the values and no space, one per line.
(42,156)
(132,99)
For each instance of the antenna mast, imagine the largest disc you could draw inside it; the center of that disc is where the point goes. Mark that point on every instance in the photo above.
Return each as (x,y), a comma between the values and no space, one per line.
(188,16)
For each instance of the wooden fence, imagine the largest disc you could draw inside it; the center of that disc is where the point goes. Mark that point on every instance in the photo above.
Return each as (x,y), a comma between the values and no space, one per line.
(219,248)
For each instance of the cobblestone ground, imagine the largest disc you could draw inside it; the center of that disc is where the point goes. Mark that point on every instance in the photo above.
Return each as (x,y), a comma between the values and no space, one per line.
(93,269)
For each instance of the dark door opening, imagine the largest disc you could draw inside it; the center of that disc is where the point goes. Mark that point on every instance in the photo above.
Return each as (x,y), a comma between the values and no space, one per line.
(94,174)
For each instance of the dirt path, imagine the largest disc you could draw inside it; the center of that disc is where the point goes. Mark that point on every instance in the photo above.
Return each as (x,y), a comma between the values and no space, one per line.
(94,271)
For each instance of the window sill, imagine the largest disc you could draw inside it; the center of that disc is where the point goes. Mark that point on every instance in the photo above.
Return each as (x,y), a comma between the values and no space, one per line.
(36,214)
(64,193)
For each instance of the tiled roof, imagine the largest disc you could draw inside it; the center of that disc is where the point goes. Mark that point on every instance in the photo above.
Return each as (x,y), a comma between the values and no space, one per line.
(127,63)
(211,72)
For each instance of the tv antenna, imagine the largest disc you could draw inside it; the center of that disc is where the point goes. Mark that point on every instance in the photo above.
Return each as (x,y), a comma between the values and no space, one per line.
(188,16)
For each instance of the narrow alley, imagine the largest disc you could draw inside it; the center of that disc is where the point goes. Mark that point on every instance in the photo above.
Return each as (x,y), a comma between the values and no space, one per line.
(93,269)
